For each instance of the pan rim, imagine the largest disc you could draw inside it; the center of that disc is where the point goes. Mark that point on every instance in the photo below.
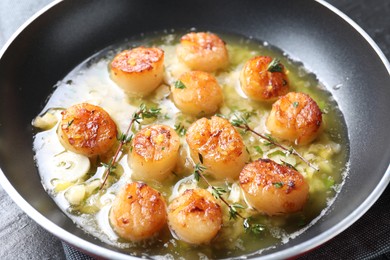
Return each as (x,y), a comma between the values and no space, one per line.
(289,252)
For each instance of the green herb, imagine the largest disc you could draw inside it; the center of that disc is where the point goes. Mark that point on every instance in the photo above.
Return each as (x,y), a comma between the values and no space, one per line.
(179,84)
(255,229)
(329,182)
(288,165)
(180,129)
(233,213)
(109,166)
(275,66)
(217,192)
(198,170)
(278,185)
(258,149)
(277,152)
(269,140)
(200,157)
(142,113)
(239,121)
(220,115)
(123,138)
(295,104)
(146,112)
(70,123)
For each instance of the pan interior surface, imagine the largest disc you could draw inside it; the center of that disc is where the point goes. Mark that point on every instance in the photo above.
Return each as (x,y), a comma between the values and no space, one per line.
(89,82)
(68,33)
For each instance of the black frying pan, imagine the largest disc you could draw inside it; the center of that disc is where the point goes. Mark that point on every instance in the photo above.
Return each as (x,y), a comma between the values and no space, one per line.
(71,31)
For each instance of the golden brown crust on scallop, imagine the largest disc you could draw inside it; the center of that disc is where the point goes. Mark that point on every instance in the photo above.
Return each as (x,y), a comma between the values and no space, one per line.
(195,216)
(87,129)
(137,60)
(138,212)
(138,71)
(203,51)
(295,117)
(215,138)
(273,188)
(197,202)
(155,141)
(260,84)
(154,153)
(201,95)
(219,144)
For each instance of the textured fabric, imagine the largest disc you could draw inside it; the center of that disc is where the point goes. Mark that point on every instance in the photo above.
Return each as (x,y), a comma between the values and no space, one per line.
(72,254)
(363,240)
(21,238)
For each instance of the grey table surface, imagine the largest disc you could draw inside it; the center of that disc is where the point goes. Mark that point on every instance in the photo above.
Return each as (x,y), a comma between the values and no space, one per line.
(22,238)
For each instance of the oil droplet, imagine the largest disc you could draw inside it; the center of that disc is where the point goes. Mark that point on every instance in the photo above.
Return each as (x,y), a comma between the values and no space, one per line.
(338,86)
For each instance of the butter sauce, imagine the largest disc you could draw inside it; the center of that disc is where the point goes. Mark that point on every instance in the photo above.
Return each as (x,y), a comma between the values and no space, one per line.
(81,200)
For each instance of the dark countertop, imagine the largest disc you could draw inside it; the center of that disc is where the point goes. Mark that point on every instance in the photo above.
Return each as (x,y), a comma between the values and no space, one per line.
(22,238)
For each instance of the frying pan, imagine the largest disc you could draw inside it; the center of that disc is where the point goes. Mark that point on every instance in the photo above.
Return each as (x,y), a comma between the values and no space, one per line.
(68,32)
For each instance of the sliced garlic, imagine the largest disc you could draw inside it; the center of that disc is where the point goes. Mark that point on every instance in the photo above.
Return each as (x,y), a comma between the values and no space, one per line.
(46,121)
(69,166)
(75,194)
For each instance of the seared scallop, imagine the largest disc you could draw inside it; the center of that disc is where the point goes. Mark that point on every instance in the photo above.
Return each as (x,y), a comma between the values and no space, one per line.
(195,217)
(203,51)
(87,129)
(220,146)
(197,93)
(272,188)
(138,212)
(295,117)
(154,153)
(138,71)
(264,79)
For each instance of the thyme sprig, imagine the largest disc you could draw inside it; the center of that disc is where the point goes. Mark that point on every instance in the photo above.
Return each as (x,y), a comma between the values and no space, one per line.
(125,138)
(242,123)
(218,192)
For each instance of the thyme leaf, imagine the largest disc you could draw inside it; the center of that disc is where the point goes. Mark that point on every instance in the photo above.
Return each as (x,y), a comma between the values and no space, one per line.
(124,138)
(258,149)
(278,185)
(255,229)
(288,165)
(70,123)
(233,213)
(275,66)
(146,112)
(198,170)
(180,129)
(217,192)
(200,157)
(239,120)
(179,84)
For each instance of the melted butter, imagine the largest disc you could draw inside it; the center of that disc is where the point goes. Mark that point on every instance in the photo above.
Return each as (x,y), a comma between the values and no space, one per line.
(90,82)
